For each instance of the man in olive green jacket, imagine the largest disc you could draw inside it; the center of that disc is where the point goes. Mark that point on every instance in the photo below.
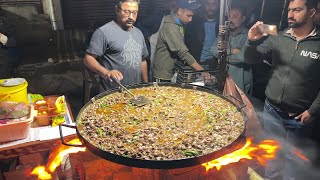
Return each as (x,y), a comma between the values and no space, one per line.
(170,45)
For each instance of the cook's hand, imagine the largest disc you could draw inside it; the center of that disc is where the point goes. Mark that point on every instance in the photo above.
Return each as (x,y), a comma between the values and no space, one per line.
(235,51)
(254,33)
(208,78)
(206,75)
(304,117)
(115,74)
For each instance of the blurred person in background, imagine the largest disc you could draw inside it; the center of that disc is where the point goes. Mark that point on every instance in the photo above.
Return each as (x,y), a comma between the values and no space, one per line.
(8,60)
(292,106)
(253,11)
(150,27)
(151,24)
(170,45)
(118,50)
(201,32)
(237,68)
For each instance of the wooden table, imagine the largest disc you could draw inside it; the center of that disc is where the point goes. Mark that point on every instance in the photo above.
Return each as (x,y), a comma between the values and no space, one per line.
(30,148)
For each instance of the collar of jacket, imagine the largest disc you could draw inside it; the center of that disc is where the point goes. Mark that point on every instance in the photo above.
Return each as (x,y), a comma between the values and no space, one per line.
(178,21)
(317,35)
(172,18)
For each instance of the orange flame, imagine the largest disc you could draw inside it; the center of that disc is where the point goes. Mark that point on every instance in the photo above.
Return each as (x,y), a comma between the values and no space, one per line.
(55,159)
(41,172)
(264,151)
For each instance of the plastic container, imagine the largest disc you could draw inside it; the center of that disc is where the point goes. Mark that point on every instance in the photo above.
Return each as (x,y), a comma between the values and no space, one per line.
(185,74)
(46,110)
(44,120)
(16,130)
(14,93)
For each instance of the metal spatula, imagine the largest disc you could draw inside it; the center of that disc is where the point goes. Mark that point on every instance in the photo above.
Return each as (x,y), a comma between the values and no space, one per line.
(136,100)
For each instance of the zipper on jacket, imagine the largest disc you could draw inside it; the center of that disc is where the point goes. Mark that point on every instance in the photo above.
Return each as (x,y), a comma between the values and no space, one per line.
(288,73)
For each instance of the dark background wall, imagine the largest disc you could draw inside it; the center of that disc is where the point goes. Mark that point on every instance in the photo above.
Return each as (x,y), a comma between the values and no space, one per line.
(32,27)
(85,14)
(38,42)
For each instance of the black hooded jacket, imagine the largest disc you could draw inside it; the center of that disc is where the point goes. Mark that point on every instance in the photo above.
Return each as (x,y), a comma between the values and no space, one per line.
(294,85)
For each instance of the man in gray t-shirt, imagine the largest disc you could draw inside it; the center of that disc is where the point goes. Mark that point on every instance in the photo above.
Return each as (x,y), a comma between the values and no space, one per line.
(120,47)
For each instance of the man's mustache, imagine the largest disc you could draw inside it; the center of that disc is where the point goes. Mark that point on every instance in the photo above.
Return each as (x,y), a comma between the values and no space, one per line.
(130,21)
(291,19)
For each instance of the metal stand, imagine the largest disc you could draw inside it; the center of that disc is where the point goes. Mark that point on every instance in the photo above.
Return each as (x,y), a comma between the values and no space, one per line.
(223,40)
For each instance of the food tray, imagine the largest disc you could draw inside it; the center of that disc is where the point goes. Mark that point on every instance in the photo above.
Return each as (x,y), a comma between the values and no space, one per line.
(45,119)
(186,77)
(17,130)
(186,74)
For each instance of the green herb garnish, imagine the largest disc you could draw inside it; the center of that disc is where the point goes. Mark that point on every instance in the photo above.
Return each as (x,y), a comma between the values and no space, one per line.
(100,132)
(104,105)
(190,153)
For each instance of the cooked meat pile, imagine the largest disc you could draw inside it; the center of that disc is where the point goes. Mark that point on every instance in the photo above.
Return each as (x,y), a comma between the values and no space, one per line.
(177,123)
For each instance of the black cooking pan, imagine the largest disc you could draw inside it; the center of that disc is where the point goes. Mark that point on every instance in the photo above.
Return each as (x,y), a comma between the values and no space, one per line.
(160,164)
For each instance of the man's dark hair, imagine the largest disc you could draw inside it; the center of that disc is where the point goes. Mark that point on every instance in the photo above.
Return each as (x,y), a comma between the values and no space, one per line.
(122,1)
(242,9)
(310,3)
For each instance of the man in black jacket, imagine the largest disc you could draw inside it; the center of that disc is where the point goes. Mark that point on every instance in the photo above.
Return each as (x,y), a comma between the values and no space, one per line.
(201,33)
(292,106)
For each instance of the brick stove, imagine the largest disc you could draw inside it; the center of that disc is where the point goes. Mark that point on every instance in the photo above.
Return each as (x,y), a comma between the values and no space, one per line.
(85,165)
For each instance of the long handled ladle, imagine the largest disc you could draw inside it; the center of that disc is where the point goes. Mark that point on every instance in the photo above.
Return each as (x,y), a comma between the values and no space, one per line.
(135,100)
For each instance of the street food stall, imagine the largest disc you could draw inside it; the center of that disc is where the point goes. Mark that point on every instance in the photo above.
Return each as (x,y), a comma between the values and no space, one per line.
(28,120)
(184,131)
